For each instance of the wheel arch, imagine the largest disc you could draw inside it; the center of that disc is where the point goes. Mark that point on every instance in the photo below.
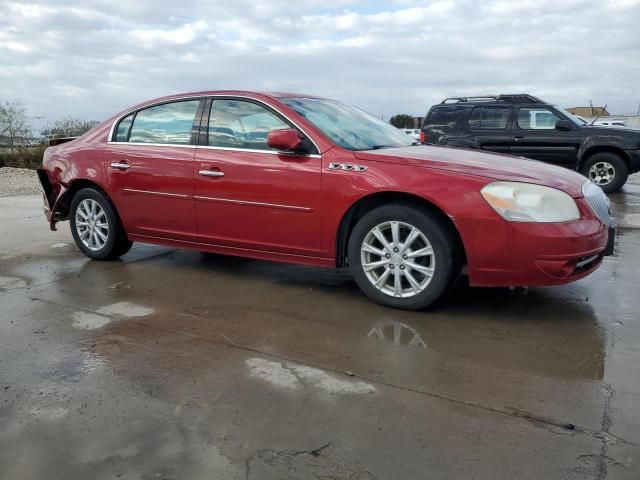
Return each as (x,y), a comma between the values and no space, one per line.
(365,204)
(590,151)
(63,204)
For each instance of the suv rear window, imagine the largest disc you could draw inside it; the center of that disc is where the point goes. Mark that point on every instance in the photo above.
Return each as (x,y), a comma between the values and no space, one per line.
(489,118)
(444,119)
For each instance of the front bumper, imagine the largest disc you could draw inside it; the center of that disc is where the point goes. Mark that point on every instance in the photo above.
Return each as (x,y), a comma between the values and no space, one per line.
(503,254)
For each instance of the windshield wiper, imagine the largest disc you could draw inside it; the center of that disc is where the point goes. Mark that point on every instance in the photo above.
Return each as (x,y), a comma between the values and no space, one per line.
(378,147)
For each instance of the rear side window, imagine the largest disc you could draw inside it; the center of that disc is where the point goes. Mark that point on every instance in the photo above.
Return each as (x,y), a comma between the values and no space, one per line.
(169,123)
(494,118)
(444,119)
(241,124)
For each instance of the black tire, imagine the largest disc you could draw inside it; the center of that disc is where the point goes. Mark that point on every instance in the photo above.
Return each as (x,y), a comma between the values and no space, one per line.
(621,171)
(443,240)
(117,243)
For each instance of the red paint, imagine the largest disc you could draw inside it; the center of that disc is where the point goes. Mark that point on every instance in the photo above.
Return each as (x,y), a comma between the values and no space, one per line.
(288,207)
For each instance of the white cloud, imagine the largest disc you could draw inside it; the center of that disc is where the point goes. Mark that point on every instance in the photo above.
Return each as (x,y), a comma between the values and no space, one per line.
(155,37)
(70,58)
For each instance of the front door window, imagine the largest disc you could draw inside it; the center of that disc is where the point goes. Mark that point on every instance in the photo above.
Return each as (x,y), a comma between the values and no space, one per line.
(537,119)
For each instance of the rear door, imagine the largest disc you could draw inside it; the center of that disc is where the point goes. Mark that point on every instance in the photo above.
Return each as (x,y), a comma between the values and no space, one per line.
(149,161)
(490,126)
(535,136)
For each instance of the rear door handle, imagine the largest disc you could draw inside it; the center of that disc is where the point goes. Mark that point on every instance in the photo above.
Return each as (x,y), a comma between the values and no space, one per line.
(120,165)
(518,137)
(211,173)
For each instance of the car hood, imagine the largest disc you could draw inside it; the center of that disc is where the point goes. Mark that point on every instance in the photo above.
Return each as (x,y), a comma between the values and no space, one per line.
(612,130)
(489,165)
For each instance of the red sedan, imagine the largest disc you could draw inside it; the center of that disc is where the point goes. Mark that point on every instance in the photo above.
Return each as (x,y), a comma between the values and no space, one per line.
(302,179)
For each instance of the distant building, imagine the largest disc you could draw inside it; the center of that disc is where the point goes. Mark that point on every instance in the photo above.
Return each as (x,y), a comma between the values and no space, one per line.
(589,111)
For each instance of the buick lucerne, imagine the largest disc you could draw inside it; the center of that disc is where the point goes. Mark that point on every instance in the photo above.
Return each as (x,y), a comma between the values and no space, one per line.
(308,180)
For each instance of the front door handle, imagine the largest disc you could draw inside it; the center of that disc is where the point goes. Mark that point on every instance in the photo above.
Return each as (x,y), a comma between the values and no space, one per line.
(518,137)
(120,165)
(211,173)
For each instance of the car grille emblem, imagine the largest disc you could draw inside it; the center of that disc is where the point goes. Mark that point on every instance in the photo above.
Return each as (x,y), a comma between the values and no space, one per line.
(347,167)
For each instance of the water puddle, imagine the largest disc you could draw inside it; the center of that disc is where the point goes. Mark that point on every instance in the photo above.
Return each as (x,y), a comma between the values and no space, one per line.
(73,367)
(398,333)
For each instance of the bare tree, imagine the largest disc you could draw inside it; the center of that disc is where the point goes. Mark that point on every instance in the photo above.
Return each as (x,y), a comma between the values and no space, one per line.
(69,127)
(14,125)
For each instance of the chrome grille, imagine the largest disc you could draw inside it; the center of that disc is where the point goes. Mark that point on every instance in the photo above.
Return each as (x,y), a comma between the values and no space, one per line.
(598,201)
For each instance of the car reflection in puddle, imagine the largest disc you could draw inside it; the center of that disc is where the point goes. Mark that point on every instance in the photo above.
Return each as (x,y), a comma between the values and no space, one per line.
(397,332)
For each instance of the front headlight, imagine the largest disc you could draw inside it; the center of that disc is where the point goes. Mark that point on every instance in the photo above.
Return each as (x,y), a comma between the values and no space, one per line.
(526,202)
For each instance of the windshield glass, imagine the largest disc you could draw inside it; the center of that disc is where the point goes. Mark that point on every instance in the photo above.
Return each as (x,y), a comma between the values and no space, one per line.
(349,127)
(578,121)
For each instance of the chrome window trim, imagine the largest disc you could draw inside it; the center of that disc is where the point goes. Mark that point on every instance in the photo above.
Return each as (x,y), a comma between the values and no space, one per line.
(188,97)
(254,204)
(253,150)
(151,192)
(179,145)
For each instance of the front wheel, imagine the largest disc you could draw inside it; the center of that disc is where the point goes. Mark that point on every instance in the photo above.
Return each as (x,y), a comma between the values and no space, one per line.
(607,170)
(403,257)
(95,226)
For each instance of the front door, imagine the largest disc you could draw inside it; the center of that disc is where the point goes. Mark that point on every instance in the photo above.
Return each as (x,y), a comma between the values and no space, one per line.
(150,167)
(535,136)
(248,195)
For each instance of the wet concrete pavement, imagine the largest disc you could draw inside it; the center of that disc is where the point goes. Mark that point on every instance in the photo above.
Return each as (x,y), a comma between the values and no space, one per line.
(172,364)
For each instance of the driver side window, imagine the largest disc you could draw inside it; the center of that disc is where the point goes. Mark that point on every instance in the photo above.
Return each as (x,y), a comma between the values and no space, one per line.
(241,124)
(537,119)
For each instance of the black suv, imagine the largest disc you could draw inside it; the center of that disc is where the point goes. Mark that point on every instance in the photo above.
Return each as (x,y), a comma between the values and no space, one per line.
(525,126)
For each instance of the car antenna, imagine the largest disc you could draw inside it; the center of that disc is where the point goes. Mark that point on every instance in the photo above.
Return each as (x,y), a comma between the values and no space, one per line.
(598,116)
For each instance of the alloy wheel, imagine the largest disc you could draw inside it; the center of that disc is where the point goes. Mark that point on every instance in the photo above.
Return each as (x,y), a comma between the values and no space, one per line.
(602,173)
(91,224)
(397,259)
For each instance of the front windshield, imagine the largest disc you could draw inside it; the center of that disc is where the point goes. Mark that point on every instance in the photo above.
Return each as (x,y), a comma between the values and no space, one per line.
(349,127)
(576,120)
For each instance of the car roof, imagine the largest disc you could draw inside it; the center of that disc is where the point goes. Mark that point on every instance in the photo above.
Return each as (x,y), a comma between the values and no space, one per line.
(254,94)
(250,93)
(521,99)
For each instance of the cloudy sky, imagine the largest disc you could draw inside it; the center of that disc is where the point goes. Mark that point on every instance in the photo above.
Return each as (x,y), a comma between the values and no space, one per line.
(91,59)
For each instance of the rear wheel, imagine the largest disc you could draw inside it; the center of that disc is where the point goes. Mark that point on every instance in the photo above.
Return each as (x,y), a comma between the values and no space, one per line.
(607,170)
(95,226)
(403,257)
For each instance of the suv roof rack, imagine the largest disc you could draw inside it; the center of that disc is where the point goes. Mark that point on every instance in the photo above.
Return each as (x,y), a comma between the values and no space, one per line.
(510,98)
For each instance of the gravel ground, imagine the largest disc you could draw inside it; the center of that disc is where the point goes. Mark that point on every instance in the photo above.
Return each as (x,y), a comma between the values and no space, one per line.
(18,181)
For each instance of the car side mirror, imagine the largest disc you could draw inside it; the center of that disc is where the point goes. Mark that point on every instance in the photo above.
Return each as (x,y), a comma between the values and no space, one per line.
(564,125)
(287,140)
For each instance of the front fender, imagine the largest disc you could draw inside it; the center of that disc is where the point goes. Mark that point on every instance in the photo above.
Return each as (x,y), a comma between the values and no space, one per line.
(612,142)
